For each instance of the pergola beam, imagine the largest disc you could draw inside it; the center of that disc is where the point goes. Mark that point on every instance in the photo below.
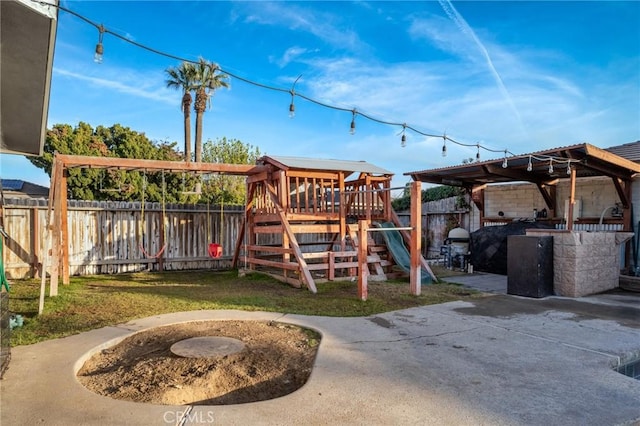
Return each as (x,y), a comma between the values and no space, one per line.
(69,161)
(549,196)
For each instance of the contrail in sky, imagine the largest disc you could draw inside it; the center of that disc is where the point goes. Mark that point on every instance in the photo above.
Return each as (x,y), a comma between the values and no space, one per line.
(466,29)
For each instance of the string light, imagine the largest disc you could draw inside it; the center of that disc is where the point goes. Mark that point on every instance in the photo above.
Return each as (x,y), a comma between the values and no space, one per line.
(352,128)
(292,107)
(97,58)
(551,160)
(504,163)
(100,50)
(403,139)
(444,145)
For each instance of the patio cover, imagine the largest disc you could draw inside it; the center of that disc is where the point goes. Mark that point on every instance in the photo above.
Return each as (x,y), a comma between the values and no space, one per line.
(589,161)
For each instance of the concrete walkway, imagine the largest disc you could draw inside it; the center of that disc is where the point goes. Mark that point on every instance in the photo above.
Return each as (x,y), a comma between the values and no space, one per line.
(500,360)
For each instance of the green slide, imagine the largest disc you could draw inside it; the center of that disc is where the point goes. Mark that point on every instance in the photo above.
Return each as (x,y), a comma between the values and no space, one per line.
(399,251)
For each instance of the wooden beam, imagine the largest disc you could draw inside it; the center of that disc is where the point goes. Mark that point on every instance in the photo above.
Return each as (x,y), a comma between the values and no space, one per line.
(549,197)
(606,156)
(56,228)
(607,169)
(572,199)
(258,177)
(342,214)
(508,172)
(363,267)
(623,194)
(416,237)
(313,174)
(64,228)
(46,255)
(304,271)
(172,166)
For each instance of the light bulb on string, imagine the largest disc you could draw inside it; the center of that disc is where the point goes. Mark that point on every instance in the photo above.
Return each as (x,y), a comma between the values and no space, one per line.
(550,166)
(504,163)
(292,107)
(97,58)
(444,145)
(352,129)
(569,167)
(478,153)
(529,165)
(403,139)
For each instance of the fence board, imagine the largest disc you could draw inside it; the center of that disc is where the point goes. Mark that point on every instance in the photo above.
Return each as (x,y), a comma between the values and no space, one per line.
(105,237)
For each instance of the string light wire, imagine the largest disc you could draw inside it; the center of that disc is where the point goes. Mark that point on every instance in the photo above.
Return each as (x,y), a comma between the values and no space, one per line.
(103,30)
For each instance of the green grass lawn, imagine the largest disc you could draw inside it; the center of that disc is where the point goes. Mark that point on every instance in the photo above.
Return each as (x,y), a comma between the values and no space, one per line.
(97,301)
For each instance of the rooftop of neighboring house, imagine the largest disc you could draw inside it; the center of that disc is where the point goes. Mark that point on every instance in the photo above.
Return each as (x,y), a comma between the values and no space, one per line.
(630,151)
(21,188)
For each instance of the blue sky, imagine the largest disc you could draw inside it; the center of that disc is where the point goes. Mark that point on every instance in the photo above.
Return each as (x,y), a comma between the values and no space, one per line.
(521,76)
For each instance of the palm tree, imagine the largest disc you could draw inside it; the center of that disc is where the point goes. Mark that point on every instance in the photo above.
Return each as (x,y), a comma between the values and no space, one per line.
(184,77)
(208,79)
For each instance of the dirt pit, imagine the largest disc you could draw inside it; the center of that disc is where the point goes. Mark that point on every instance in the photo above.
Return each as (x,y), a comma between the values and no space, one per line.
(276,360)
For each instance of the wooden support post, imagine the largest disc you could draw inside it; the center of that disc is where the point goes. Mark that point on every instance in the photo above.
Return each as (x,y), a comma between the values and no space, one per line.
(416,233)
(572,199)
(46,255)
(368,196)
(331,274)
(342,212)
(363,268)
(64,227)
(55,231)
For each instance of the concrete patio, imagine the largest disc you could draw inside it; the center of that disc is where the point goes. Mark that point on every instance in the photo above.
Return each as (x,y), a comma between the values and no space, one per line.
(499,360)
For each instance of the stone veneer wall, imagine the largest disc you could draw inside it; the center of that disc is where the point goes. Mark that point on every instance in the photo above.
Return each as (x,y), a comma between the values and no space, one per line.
(584,262)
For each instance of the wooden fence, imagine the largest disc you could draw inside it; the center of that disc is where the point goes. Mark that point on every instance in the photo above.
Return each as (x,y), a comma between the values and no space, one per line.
(116,237)
(438,218)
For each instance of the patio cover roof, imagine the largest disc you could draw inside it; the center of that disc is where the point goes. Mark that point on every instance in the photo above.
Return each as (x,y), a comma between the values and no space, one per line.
(27,31)
(588,161)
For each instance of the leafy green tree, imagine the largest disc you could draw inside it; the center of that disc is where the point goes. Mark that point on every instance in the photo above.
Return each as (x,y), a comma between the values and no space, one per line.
(225,189)
(434,193)
(208,79)
(112,184)
(182,78)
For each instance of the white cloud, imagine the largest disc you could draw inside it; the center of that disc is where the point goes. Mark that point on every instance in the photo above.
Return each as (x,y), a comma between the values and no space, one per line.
(321,25)
(143,89)
(291,54)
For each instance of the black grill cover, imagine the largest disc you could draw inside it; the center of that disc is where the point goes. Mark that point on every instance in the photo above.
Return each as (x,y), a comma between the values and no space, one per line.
(488,245)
